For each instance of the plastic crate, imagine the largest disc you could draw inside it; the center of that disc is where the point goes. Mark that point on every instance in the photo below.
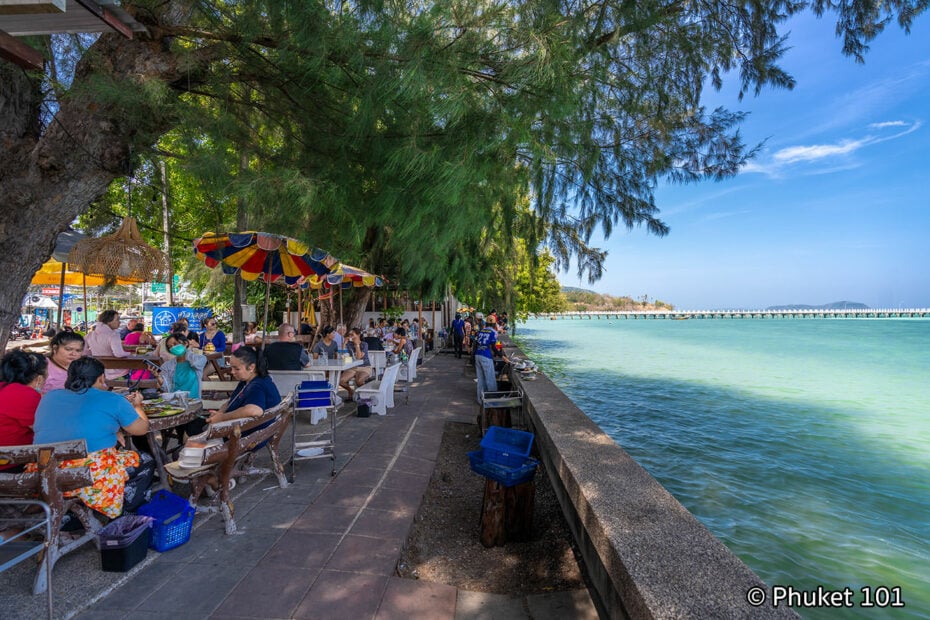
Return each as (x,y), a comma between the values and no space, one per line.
(174,518)
(506,476)
(310,400)
(506,446)
(314,386)
(124,543)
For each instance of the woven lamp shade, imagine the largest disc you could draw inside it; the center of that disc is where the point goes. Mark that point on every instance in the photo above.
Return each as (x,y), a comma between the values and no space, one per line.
(123,254)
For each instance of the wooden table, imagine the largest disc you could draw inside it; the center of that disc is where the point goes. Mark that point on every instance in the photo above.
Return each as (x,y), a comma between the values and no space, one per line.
(166,423)
(130,363)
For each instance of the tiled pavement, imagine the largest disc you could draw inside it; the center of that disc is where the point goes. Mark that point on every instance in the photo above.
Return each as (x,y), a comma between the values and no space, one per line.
(325,547)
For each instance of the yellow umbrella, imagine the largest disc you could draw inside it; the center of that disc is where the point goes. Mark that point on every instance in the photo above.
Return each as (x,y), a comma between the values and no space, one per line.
(50,274)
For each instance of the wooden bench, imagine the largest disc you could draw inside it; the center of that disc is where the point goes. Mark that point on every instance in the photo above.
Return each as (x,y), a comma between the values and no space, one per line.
(48,484)
(234,457)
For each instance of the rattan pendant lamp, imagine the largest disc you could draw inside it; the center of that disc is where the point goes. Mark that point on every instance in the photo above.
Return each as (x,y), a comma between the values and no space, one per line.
(124,254)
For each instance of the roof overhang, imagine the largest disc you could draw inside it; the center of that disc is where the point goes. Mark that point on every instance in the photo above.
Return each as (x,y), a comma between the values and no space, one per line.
(54,17)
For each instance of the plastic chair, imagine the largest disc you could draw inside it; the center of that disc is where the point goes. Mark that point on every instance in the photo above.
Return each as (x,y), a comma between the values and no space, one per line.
(380,392)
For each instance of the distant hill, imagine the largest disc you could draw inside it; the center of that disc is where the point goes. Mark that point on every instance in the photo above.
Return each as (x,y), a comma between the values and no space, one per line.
(585,300)
(836,305)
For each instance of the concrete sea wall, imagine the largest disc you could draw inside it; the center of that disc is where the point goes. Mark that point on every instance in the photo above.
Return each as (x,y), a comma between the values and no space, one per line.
(647,556)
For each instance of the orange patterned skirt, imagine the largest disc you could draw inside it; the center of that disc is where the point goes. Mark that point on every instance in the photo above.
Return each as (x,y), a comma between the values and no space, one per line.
(108,470)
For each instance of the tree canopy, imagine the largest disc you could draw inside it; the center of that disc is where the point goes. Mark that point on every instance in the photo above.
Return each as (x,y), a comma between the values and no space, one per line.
(403,137)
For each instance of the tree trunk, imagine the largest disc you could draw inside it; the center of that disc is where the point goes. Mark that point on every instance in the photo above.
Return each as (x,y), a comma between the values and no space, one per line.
(354,301)
(51,174)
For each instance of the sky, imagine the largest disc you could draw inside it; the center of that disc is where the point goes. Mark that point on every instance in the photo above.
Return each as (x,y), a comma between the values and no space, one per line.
(836,206)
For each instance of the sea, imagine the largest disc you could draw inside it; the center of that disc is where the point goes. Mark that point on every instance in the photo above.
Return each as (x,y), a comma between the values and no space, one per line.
(802,444)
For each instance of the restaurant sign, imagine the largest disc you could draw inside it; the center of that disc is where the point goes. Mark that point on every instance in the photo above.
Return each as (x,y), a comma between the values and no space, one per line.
(164,316)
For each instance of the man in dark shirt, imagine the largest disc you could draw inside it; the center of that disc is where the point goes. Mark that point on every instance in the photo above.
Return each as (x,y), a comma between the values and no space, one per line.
(458,334)
(286,353)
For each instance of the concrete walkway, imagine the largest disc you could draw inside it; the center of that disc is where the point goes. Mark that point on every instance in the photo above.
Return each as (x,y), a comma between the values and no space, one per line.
(325,547)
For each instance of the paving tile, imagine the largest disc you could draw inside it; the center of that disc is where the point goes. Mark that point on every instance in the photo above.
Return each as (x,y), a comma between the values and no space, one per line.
(360,476)
(487,606)
(268,592)
(411,599)
(414,464)
(244,547)
(195,591)
(115,614)
(397,500)
(362,554)
(370,459)
(383,524)
(137,589)
(271,515)
(343,495)
(325,518)
(558,605)
(336,595)
(397,479)
(301,549)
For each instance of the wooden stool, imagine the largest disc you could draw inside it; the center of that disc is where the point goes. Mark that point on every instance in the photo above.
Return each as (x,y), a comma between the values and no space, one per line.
(507,512)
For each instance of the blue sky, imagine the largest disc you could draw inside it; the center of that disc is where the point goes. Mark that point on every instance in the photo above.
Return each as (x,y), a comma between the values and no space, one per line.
(835,207)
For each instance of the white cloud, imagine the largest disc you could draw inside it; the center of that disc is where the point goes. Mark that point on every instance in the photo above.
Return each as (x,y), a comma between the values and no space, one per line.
(884,124)
(833,156)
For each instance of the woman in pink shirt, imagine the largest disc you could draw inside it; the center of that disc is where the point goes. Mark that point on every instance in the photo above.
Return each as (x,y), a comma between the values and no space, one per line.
(66,347)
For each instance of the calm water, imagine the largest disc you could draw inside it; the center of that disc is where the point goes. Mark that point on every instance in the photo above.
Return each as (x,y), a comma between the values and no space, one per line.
(803,444)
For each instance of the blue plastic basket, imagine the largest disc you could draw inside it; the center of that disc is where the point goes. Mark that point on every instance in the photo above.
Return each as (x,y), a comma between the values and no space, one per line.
(315,386)
(506,476)
(174,518)
(506,446)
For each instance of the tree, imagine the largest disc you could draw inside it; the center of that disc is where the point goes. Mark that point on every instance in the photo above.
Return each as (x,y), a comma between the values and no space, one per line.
(388,130)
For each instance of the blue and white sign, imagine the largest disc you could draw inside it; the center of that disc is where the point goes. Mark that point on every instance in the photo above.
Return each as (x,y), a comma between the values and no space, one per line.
(163,317)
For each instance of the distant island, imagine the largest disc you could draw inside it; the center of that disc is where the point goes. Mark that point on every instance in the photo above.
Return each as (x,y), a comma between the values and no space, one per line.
(836,305)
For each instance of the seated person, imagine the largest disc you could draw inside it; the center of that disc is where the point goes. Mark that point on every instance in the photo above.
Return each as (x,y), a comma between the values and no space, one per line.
(86,410)
(105,341)
(66,347)
(182,372)
(137,336)
(286,353)
(212,339)
(358,350)
(255,392)
(22,376)
(326,348)
(402,346)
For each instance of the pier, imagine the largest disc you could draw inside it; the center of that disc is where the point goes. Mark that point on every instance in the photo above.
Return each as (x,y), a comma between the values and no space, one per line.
(681,315)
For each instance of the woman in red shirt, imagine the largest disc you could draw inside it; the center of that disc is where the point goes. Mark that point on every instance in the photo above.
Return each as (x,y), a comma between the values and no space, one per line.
(22,376)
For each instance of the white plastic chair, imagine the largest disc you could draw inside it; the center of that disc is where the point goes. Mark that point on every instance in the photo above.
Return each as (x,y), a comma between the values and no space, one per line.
(380,392)
(378,361)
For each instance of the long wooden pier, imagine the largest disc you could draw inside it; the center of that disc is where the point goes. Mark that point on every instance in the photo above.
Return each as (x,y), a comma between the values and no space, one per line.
(681,315)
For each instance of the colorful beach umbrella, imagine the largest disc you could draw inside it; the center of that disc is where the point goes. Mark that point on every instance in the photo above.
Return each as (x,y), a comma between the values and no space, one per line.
(347,277)
(269,257)
(259,255)
(50,274)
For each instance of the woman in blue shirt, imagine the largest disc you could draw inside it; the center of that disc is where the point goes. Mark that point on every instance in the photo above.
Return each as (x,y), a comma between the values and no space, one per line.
(255,392)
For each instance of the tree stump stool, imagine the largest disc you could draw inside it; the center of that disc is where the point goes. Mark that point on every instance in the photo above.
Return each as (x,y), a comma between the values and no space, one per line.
(493,416)
(507,513)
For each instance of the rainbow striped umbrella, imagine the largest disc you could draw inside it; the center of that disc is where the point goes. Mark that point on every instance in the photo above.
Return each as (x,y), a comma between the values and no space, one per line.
(273,258)
(256,255)
(347,277)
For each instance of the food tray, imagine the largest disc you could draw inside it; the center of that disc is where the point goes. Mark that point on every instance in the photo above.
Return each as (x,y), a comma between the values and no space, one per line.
(506,476)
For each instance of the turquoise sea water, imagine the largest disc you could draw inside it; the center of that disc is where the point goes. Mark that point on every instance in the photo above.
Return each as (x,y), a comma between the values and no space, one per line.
(804,445)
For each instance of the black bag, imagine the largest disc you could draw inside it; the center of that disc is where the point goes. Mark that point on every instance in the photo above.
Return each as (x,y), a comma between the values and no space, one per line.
(364,410)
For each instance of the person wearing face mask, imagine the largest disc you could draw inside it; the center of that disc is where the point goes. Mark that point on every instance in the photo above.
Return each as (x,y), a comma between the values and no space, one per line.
(21,378)
(183,370)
